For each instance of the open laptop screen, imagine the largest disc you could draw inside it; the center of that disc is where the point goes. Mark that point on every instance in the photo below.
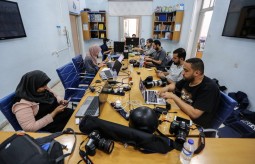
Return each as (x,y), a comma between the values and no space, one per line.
(121,58)
(117,65)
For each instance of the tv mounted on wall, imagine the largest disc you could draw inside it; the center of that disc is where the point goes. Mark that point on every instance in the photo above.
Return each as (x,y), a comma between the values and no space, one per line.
(11,25)
(240,20)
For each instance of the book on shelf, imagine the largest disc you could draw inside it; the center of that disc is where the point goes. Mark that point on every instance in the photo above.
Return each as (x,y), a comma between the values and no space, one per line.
(167,35)
(100,26)
(102,35)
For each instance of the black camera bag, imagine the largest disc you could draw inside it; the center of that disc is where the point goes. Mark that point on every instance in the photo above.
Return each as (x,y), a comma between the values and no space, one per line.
(24,149)
(145,142)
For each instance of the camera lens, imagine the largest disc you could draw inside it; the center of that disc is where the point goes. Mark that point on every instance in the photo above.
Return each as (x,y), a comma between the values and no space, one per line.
(106,145)
(159,83)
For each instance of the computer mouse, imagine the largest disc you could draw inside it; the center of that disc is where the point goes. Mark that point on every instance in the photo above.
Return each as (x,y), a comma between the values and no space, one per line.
(98,81)
(126,88)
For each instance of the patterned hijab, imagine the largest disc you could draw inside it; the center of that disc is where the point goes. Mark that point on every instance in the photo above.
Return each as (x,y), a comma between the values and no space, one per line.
(28,85)
(93,53)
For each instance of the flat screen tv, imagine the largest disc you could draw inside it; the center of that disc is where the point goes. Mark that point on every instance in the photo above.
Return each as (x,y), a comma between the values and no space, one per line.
(240,20)
(11,25)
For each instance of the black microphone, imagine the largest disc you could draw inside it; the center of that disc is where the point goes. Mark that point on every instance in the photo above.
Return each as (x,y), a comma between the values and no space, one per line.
(112,82)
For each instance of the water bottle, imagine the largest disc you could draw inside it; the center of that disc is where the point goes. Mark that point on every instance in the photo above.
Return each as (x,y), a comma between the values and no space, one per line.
(187,151)
(141,61)
(114,75)
(131,68)
(109,57)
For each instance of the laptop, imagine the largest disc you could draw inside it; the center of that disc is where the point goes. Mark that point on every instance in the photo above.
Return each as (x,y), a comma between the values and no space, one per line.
(150,96)
(111,63)
(91,106)
(108,74)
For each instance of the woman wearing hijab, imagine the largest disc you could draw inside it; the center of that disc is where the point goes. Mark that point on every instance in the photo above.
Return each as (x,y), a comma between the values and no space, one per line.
(37,107)
(90,61)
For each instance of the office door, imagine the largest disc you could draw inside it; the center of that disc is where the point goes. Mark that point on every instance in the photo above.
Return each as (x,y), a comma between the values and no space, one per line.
(75,36)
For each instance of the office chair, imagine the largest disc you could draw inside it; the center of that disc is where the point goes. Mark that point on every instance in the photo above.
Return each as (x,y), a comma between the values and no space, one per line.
(6,108)
(226,107)
(74,88)
(79,66)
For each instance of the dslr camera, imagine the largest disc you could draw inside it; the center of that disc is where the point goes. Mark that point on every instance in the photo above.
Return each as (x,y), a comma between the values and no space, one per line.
(96,141)
(180,129)
(149,82)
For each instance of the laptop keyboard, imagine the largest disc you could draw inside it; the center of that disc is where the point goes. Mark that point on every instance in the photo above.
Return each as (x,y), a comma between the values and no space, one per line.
(93,107)
(108,74)
(152,97)
(90,107)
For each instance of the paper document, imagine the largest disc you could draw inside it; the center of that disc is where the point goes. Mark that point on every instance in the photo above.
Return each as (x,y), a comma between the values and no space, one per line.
(85,27)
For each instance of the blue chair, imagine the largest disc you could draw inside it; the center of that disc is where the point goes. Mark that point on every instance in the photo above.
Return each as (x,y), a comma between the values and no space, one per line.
(6,104)
(74,88)
(79,66)
(226,107)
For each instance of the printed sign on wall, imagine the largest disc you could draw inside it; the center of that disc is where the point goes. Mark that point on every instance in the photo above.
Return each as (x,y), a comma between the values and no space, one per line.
(74,6)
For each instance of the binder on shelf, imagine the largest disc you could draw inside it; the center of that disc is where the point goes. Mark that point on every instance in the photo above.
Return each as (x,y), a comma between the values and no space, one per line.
(102,35)
(162,17)
(100,26)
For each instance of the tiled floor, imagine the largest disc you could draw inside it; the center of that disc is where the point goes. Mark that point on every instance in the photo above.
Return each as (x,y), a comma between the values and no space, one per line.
(59,89)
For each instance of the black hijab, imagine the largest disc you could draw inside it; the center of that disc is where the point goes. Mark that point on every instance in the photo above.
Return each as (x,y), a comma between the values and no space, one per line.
(28,85)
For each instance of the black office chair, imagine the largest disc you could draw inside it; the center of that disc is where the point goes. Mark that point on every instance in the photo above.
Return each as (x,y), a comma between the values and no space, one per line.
(6,104)
(74,88)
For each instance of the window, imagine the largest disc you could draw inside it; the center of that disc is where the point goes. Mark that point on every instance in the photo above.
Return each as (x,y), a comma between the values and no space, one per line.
(129,26)
(208,3)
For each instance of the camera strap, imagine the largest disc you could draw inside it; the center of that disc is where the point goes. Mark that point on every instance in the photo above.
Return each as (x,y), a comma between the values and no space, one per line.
(84,155)
(201,141)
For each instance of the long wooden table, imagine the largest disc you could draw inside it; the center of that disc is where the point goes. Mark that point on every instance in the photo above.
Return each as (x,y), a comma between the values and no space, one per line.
(227,151)
(131,100)
(216,150)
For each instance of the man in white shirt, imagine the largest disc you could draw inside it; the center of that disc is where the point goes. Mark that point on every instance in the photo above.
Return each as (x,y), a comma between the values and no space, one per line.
(174,73)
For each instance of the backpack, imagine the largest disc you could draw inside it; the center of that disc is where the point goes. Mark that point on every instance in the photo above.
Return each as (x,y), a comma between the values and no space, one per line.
(24,149)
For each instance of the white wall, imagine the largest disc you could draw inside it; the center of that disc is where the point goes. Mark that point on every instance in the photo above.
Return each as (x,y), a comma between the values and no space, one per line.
(146,23)
(230,60)
(19,56)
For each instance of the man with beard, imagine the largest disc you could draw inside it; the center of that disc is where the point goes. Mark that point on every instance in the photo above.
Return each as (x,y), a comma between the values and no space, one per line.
(159,57)
(148,50)
(174,73)
(196,94)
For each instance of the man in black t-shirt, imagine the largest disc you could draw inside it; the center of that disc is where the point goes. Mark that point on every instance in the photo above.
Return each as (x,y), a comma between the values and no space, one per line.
(196,95)
(158,58)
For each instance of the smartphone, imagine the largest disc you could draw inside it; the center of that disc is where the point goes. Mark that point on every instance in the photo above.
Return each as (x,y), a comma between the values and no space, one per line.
(188,122)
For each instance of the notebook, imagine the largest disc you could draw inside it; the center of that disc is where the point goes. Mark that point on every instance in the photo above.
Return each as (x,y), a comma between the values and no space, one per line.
(150,96)
(91,106)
